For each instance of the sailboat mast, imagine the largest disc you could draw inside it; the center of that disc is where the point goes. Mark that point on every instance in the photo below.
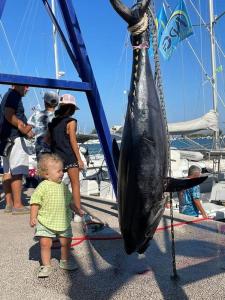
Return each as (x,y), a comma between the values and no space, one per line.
(213,61)
(57,75)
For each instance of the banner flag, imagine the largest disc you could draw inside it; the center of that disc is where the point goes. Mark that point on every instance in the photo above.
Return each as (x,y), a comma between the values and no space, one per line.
(177,29)
(161,22)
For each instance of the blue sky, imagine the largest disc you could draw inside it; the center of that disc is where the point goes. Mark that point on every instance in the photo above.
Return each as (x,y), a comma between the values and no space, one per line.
(187,94)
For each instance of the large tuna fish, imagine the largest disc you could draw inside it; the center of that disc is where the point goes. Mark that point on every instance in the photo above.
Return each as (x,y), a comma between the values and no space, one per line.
(143,159)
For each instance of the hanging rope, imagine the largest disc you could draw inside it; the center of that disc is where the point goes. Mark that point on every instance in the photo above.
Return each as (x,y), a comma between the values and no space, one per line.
(140,27)
(158,77)
(158,81)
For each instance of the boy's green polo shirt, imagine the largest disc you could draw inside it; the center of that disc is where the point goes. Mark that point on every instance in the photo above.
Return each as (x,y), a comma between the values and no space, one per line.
(53,199)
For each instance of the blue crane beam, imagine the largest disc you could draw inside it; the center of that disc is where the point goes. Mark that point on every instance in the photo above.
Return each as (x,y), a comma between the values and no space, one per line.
(2,5)
(86,74)
(45,82)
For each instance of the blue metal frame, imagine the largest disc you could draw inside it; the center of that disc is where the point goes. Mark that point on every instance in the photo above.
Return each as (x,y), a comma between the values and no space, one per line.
(62,36)
(79,57)
(2,5)
(86,74)
(45,82)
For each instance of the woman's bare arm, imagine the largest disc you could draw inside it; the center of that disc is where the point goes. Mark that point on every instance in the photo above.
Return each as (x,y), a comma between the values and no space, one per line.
(71,131)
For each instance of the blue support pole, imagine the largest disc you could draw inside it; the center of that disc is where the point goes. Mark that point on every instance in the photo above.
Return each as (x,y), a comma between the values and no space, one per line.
(45,82)
(86,74)
(2,5)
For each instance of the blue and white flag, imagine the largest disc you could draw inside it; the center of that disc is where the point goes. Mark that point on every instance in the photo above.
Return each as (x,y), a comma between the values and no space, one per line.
(177,29)
(161,22)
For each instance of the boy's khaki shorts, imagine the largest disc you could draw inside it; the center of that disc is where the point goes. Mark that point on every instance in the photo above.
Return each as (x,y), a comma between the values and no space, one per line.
(43,231)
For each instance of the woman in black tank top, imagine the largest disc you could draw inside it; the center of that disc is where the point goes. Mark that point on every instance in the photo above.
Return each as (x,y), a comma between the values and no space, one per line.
(62,131)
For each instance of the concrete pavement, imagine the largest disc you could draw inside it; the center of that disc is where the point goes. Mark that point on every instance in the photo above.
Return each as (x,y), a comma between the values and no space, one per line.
(105,271)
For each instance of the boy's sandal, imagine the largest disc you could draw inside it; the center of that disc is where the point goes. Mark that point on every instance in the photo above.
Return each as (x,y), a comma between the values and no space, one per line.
(67,265)
(44,271)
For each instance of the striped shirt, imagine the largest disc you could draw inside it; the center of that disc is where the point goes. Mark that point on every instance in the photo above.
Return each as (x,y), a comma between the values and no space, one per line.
(54,199)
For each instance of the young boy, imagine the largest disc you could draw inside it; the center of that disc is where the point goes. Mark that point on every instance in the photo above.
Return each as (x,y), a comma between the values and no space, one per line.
(39,121)
(51,213)
(189,200)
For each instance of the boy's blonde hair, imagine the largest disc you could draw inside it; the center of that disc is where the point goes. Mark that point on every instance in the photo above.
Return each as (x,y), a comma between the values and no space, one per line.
(44,160)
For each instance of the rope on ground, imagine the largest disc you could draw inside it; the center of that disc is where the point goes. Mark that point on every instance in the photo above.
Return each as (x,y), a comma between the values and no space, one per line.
(83,238)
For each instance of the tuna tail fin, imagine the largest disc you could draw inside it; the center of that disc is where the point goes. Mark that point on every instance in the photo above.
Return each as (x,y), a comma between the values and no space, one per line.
(116,153)
(179,184)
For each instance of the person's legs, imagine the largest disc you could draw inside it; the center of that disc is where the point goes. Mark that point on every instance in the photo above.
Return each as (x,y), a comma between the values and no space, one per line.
(7,184)
(66,263)
(7,189)
(16,185)
(75,184)
(65,247)
(45,269)
(46,243)
(18,162)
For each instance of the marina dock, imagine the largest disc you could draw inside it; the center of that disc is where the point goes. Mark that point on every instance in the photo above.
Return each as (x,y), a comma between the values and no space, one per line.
(105,271)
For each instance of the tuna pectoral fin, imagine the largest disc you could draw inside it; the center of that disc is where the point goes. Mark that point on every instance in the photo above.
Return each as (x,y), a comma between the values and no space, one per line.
(176,185)
(116,153)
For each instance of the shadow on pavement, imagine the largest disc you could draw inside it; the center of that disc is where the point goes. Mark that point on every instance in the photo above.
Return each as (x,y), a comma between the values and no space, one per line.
(196,260)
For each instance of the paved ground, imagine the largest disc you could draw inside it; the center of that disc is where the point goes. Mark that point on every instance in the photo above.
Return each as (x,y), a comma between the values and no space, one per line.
(106,272)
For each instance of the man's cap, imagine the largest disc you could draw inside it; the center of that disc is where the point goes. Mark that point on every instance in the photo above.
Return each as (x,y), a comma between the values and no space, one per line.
(68,99)
(51,98)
